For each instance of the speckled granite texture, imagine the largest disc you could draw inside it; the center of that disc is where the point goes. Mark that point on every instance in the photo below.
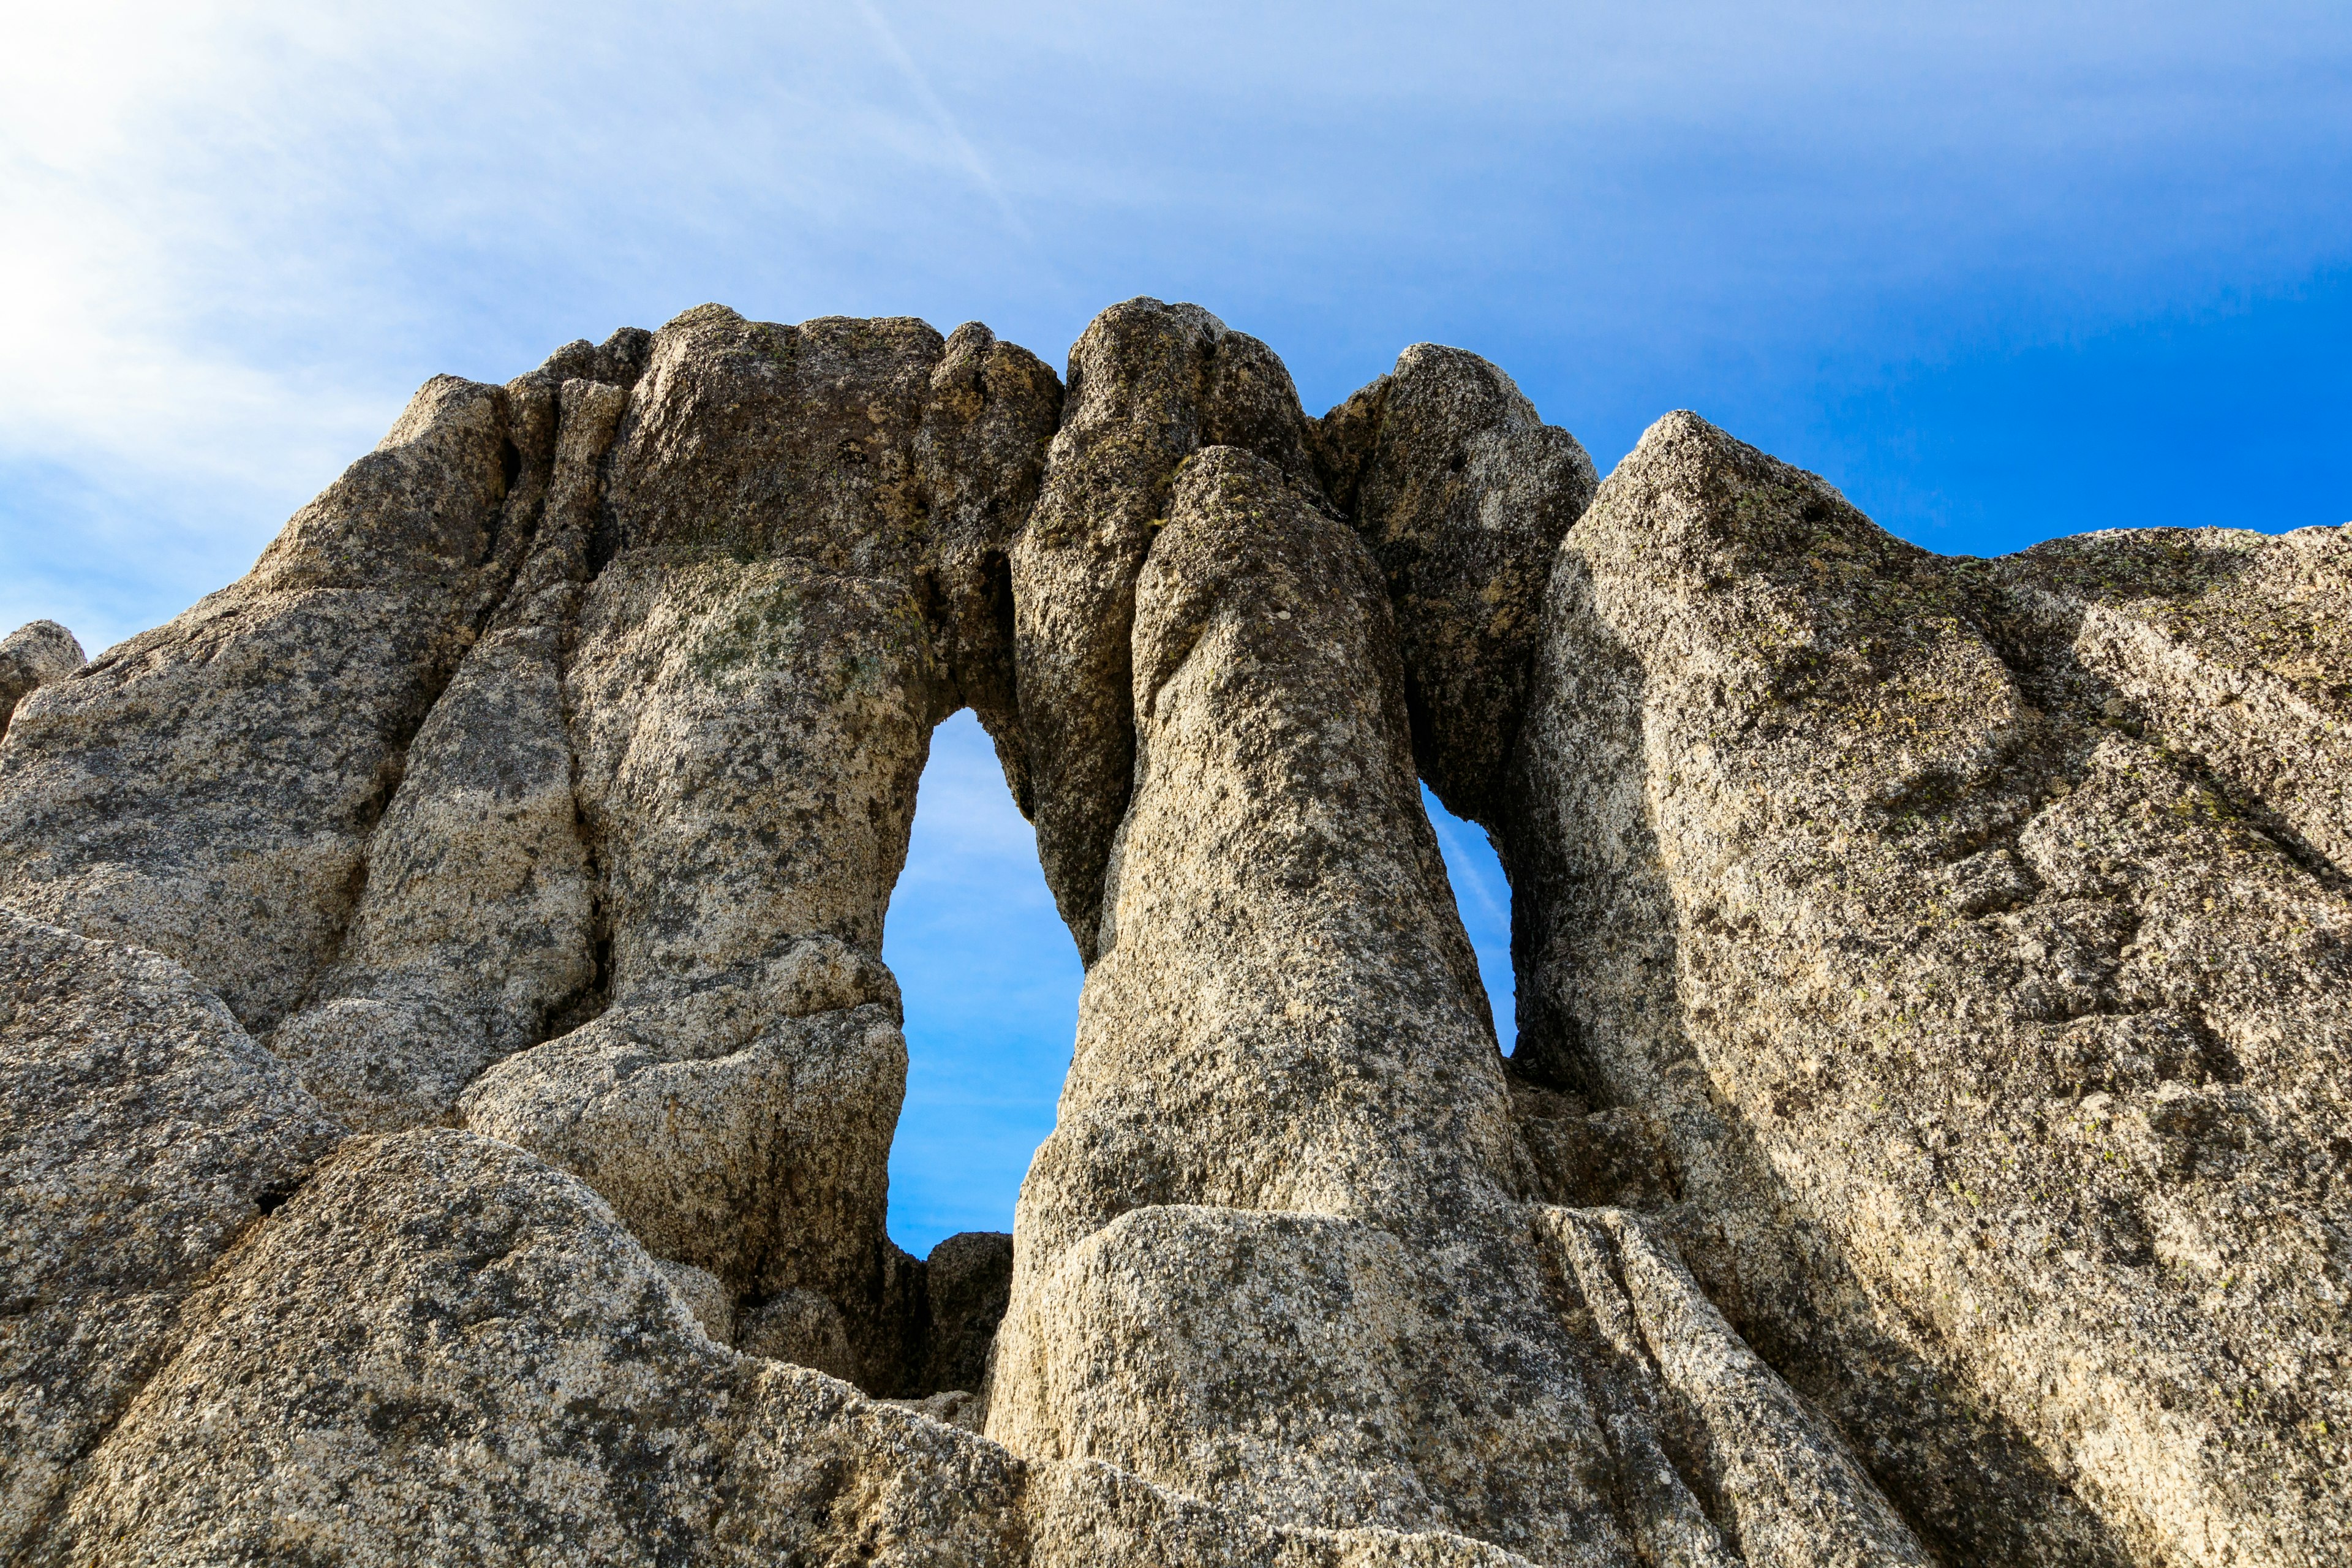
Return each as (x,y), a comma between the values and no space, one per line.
(448,1071)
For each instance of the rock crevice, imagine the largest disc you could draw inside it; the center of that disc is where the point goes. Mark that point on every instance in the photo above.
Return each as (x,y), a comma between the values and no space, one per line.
(448,1070)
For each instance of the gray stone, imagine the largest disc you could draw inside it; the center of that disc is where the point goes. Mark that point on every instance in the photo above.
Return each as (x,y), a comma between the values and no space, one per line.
(476,934)
(1275,1250)
(443,1351)
(2229,642)
(1729,1465)
(206,789)
(1149,385)
(1998,1038)
(803,1328)
(33,655)
(790,586)
(1925,1140)
(764,1165)
(712,1304)
(966,1282)
(142,1133)
(1463,494)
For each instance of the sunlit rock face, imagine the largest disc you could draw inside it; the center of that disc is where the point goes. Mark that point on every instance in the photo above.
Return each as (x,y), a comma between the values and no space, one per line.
(1975,935)
(450,1073)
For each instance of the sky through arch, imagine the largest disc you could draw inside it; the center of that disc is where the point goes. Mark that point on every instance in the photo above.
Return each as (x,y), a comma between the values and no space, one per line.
(991,979)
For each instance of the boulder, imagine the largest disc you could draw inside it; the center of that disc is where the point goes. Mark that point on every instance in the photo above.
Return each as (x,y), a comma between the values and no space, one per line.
(443,1351)
(1462,493)
(33,656)
(1995,1028)
(142,1133)
(966,1282)
(765,1166)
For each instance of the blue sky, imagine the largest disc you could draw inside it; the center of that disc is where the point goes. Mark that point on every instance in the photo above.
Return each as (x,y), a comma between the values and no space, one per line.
(1999,272)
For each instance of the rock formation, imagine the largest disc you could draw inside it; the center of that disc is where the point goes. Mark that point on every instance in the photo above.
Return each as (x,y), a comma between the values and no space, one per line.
(1977,934)
(450,1070)
(33,656)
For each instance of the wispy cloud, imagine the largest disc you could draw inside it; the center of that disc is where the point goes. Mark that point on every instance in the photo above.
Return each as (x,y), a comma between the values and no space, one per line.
(919,83)
(2028,268)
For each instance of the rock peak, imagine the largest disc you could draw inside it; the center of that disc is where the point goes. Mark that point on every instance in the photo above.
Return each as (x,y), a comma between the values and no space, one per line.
(448,1070)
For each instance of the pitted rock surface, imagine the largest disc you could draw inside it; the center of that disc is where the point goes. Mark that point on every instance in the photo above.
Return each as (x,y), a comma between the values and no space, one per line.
(1463,494)
(1991,1000)
(1273,1251)
(208,788)
(476,930)
(450,1072)
(1150,385)
(142,1133)
(33,656)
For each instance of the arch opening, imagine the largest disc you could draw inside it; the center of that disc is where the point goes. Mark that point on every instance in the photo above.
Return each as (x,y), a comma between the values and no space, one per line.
(990,980)
(1481,895)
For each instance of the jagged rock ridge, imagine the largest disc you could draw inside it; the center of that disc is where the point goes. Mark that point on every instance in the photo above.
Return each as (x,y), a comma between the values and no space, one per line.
(450,1072)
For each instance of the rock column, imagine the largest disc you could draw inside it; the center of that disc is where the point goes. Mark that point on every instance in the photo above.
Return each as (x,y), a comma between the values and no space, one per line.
(1150,384)
(473,936)
(1269,1252)
(750,691)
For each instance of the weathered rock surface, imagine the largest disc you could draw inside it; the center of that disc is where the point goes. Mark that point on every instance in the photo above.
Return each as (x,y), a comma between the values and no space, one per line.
(1273,1250)
(1987,976)
(967,1283)
(1926,1140)
(33,655)
(140,1133)
(476,931)
(763,1167)
(206,789)
(1463,494)
(440,1296)
(2229,642)
(1150,385)
(1718,1459)
(773,630)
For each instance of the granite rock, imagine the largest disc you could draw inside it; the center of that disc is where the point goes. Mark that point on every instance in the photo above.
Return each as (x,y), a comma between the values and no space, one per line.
(1463,493)
(443,1351)
(967,1284)
(1924,1141)
(1985,982)
(33,656)
(1150,385)
(207,789)
(142,1133)
(476,930)
(763,1166)
(1275,1249)
(788,584)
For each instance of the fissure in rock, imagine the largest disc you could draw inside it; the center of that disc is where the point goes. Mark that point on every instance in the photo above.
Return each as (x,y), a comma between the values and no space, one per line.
(1923,1142)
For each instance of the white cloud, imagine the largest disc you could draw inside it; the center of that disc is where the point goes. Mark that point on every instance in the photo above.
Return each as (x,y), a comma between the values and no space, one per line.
(233,237)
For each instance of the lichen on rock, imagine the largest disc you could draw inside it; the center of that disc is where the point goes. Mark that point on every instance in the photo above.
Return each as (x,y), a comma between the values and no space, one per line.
(448,1070)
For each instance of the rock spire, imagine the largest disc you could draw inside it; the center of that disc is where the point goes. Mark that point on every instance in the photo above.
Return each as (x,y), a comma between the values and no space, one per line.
(448,1070)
